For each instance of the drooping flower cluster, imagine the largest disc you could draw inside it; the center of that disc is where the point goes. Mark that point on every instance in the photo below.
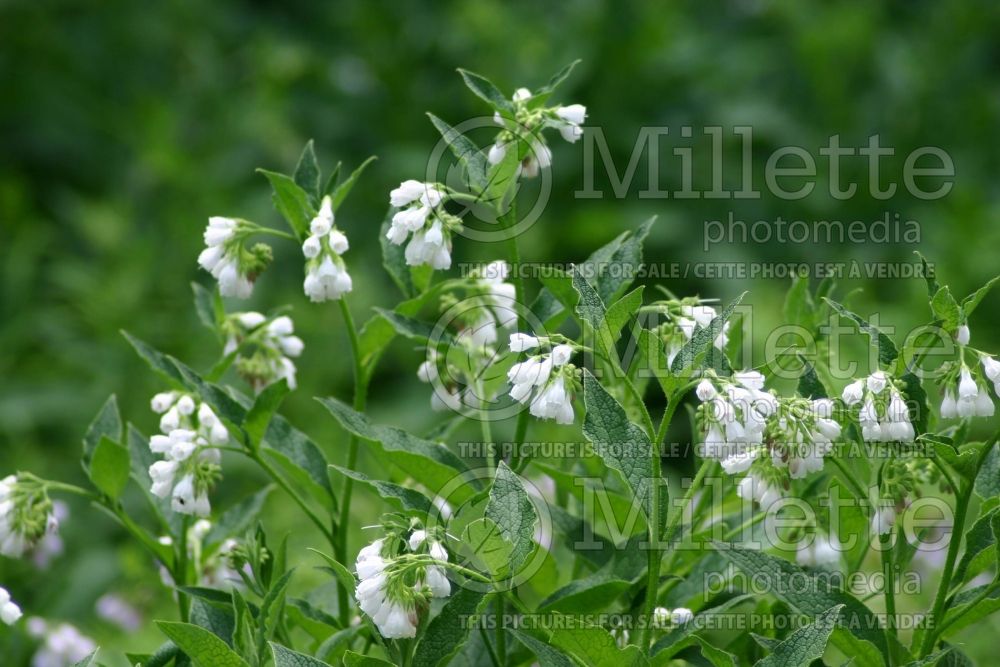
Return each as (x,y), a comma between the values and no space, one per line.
(398,576)
(750,430)
(189,445)
(490,303)
(228,259)
(817,551)
(546,380)
(422,214)
(26,514)
(326,273)
(265,348)
(883,415)
(966,395)
(62,644)
(683,318)
(9,611)
(523,130)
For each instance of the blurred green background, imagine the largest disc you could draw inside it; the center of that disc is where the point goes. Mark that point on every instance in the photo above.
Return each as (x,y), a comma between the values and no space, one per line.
(124,125)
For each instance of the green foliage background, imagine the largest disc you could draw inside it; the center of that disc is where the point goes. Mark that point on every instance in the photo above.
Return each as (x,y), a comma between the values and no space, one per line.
(124,125)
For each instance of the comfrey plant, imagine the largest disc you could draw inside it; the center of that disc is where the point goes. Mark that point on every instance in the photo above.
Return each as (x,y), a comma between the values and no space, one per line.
(495,551)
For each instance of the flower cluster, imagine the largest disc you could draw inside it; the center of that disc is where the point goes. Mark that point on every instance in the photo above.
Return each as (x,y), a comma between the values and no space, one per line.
(266,348)
(683,318)
(326,274)
(26,515)
(422,214)
(228,259)
(547,380)
(884,415)
(663,617)
(61,645)
(491,303)
(967,396)
(9,611)
(397,577)
(526,122)
(750,430)
(817,552)
(189,444)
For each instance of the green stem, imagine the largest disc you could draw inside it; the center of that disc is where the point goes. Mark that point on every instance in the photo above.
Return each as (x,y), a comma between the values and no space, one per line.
(501,632)
(181,570)
(958,527)
(983,594)
(889,590)
(360,399)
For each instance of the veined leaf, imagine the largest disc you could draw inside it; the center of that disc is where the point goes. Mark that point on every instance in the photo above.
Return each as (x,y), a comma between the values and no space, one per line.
(110,468)
(805,644)
(307,172)
(286,657)
(258,418)
(408,500)
(352,659)
(107,424)
(291,201)
(970,302)
(485,90)
(203,647)
(548,656)
(340,193)
(887,351)
(468,154)
(691,356)
(512,511)
(450,629)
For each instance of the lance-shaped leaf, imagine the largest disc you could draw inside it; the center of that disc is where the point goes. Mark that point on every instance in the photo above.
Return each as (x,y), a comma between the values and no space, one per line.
(430,463)
(286,657)
(408,500)
(107,424)
(339,193)
(514,514)
(805,644)
(979,543)
(548,655)
(596,647)
(203,647)
(887,351)
(468,154)
(970,302)
(543,93)
(450,629)
(110,468)
(291,201)
(307,173)
(858,628)
(414,329)
(622,445)
(485,90)
(208,306)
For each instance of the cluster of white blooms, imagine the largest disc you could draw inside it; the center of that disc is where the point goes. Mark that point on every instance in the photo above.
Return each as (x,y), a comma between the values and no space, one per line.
(683,319)
(26,516)
(491,304)
(228,260)
(385,592)
(62,645)
(884,415)
(547,380)
(663,617)
(971,398)
(883,517)
(189,444)
(9,611)
(818,552)
(422,214)
(528,121)
(750,430)
(326,274)
(266,352)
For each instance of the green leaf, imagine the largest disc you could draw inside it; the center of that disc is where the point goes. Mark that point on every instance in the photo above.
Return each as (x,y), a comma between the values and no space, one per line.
(203,647)
(557,79)
(978,553)
(594,646)
(946,309)
(811,595)
(810,386)
(932,659)
(677,639)
(352,659)
(338,570)
(805,644)
(622,445)
(235,520)
(799,308)
(407,500)
(430,463)
(88,661)
(266,403)
(514,514)
(107,424)
(291,201)
(340,193)
(156,360)
(374,337)
(468,154)
(208,306)
(286,657)
(593,592)
(692,356)
(271,610)
(422,332)
(715,655)
(394,259)
(887,351)
(932,283)
(216,619)
(988,479)
(485,90)
(307,172)
(109,468)
(970,302)
(142,459)
(243,626)
(450,629)
(547,655)
(483,545)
